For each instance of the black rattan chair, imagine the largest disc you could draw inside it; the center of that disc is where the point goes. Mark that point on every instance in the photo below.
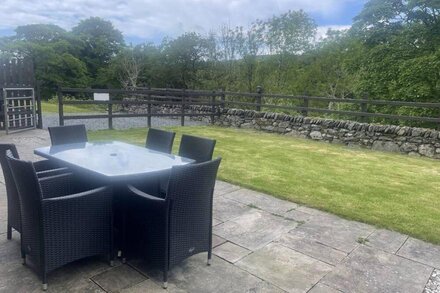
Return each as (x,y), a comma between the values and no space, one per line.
(43,168)
(197,148)
(61,223)
(160,140)
(172,229)
(68,134)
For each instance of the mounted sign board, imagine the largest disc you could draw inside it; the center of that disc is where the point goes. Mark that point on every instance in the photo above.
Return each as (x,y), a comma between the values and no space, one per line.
(101,96)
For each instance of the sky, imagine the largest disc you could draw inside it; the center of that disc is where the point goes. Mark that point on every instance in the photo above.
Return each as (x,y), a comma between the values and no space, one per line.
(152,20)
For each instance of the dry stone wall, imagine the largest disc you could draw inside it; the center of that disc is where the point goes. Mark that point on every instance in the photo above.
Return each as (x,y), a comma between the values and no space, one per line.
(408,140)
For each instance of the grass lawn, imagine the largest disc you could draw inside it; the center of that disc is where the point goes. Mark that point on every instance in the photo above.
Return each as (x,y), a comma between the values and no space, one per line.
(52,107)
(388,190)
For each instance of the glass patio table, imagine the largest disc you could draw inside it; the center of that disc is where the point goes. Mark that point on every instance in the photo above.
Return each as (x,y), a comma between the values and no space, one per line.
(111,161)
(117,164)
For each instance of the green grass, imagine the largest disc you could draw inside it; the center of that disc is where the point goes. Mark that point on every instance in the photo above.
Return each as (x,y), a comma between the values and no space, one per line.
(388,190)
(52,107)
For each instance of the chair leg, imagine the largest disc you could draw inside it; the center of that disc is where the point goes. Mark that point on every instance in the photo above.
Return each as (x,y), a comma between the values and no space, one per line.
(110,260)
(209,257)
(23,257)
(165,279)
(9,233)
(44,281)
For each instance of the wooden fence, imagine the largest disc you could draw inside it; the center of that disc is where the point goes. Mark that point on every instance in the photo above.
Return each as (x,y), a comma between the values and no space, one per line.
(16,73)
(17,78)
(215,101)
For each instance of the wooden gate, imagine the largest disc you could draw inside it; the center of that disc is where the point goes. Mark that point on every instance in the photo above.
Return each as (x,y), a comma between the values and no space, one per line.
(19,102)
(19,109)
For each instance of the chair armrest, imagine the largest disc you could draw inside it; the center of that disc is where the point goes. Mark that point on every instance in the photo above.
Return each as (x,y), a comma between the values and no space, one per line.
(145,196)
(52,172)
(44,165)
(57,185)
(97,192)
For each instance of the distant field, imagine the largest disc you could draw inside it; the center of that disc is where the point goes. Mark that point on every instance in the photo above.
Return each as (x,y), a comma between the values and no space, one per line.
(52,107)
(385,189)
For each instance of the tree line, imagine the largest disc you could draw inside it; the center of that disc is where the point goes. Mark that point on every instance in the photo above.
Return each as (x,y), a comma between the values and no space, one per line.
(391,52)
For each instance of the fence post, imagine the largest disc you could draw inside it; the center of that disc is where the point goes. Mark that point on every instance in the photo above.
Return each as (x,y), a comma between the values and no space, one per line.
(60,107)
(259,98)
(149,108)
(39,111)
(222,98)
(364,109)
(182,117)
(110,112)
(212,107)
(305,111)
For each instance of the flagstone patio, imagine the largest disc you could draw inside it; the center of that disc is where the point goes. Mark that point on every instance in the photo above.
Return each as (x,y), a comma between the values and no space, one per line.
(261,244)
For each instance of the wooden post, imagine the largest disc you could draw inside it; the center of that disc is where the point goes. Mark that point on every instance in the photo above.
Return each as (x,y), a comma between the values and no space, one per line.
(39,111)
(212,107)
(182,117)
(305,112)
(110,112)
(149,108)
(364,109)
(5,110)
(258,99)
(222,98)
(60,107)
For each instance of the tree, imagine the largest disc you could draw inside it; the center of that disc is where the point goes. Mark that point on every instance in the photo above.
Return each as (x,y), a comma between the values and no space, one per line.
(51,52)
(184,57)
(289,34)
(40,33)
(251,46)
(229,47)
(100,42)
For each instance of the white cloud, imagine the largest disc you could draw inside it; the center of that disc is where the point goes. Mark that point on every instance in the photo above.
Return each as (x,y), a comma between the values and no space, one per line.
(146,19)
(321,32)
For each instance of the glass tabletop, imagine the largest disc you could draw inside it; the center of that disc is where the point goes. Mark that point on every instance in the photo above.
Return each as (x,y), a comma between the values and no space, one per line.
(112,159)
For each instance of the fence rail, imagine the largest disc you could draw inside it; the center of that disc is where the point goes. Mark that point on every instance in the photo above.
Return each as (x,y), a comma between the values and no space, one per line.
(218,100)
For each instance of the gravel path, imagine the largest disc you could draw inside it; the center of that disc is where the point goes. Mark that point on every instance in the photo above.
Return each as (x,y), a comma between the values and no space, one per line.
(51,119)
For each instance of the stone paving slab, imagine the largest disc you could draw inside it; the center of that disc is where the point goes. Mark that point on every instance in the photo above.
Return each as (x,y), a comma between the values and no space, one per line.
(254,229)
(222,188)
(369,270)
(298,216)
(321,288)
(312,248)
(4,211)
(288,269)
(421,251)
(215,222)
(386,240)
(193,275)
(3,226)
(334,232)
(225,209)
(74,277)
(231,252)
(147,286)
(298,250)
(217,240)
(261,201)
(119,278)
